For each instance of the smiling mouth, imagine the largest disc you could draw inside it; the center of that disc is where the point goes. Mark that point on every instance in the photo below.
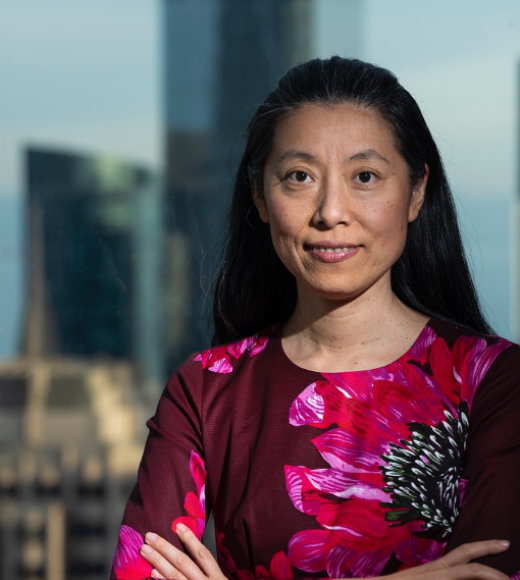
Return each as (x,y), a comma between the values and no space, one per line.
(331,250)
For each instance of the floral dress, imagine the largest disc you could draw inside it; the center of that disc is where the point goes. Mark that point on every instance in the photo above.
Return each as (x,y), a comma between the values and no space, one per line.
(350,474)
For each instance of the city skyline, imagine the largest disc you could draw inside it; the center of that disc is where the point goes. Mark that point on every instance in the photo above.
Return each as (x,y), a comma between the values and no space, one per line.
(112,103)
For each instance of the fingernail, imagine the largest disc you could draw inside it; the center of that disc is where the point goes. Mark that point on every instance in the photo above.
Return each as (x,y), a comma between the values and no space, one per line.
(181,528)
(151,537)
(504,543)
(146,549)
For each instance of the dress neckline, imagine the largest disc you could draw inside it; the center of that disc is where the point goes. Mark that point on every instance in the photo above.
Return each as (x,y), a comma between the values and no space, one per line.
(406,355)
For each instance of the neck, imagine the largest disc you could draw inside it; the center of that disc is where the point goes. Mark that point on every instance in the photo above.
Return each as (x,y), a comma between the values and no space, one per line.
(370,329)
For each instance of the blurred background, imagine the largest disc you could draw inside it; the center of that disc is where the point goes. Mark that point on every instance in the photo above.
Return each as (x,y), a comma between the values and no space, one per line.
(121,125)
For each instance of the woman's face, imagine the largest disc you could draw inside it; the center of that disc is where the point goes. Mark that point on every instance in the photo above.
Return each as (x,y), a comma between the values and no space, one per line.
(337,199)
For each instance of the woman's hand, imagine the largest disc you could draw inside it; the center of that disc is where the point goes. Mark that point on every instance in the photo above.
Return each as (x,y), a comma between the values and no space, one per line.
(459,565)
(170,562)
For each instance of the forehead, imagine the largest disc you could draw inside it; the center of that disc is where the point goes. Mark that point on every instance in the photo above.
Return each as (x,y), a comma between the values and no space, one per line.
(343,128)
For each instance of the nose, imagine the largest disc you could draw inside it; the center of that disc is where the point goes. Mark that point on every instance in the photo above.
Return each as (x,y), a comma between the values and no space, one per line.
(333,204)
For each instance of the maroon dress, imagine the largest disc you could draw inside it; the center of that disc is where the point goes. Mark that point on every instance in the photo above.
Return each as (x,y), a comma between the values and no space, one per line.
(350,474)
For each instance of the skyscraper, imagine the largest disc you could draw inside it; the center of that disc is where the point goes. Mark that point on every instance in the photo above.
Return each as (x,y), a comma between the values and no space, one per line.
(222,58)
(73,405)
(93,260)
(515,228)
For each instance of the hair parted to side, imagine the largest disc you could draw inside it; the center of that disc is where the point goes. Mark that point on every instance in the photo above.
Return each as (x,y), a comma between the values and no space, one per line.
(254,290)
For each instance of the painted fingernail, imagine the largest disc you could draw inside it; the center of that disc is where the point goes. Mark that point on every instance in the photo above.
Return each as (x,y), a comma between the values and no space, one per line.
(151,537)
(181,528)
(146,549)
(504,543)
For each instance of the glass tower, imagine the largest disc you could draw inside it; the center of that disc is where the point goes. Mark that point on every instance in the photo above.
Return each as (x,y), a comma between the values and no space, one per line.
(93,255)
(222,58)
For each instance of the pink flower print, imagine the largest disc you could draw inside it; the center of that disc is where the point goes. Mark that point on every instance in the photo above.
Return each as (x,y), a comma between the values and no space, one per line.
(218,358)
(279,568)
(195,504)
(128,563)
(394,439)
(226,562)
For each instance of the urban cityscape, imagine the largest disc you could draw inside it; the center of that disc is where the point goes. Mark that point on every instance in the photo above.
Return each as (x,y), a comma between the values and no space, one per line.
(118,262)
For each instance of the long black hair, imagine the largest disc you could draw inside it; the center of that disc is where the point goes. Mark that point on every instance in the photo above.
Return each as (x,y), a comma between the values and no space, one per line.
(254,290)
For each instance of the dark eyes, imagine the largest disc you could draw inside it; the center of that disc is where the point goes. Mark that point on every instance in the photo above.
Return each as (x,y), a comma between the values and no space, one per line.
(365,176)
(302,177)
(299,176)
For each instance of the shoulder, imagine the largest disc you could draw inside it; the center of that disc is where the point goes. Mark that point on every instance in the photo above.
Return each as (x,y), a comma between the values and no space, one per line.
(223,359)
(477,359)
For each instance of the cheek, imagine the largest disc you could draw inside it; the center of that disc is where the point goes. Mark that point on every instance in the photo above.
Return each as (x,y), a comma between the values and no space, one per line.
(389,224)
(285,220)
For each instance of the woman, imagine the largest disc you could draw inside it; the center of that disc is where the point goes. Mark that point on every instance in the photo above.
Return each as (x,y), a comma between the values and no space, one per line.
(356,417)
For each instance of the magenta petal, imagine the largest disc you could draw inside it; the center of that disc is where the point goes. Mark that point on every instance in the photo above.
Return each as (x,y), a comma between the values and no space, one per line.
(338,562)
(294,482)
(341,485)
(420,348)
(221,366)
(357,387)
(419,550)
(369,564)
(237,348)
(257,345)
(308,407)
(481,362)
(198,471)
(128,563)
(348,452)
(281,567)
(308,550)
(516,576)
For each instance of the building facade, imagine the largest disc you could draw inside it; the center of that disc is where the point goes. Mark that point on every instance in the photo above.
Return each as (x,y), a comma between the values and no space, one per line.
(73,405)
(94,251)
(222,58)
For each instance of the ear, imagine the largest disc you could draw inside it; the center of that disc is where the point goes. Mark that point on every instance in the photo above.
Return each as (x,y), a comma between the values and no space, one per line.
(418,194)
(259,202)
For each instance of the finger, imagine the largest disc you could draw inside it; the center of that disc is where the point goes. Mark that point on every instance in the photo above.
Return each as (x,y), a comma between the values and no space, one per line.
(157,574)
(472,571)
(471,551)
(446,569)
(177,561)
(202,556)
(160,563)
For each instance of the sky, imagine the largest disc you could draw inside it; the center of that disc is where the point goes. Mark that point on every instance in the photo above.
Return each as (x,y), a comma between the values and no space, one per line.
(87,76)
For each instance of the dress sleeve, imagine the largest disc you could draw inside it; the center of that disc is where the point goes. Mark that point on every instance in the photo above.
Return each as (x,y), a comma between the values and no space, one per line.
(491,509)
(171,480)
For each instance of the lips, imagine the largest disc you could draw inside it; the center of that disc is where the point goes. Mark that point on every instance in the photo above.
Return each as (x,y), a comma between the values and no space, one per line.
(328,252)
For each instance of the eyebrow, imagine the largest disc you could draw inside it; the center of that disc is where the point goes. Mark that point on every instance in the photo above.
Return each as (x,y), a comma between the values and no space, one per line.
(296,154)
(366,154)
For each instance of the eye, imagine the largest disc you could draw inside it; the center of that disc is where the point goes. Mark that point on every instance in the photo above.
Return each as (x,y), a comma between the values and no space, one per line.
(365,176)
(299,176)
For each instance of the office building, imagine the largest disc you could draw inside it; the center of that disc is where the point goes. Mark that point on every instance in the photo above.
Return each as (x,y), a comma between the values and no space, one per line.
(73,405)
(222,57)
(94,250)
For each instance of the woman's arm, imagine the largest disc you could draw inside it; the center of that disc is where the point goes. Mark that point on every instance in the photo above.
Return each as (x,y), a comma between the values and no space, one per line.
(491,507)
(171,479)
(170,563)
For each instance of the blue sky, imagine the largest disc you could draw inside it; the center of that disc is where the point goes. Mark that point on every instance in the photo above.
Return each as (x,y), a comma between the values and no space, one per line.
(86,75)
